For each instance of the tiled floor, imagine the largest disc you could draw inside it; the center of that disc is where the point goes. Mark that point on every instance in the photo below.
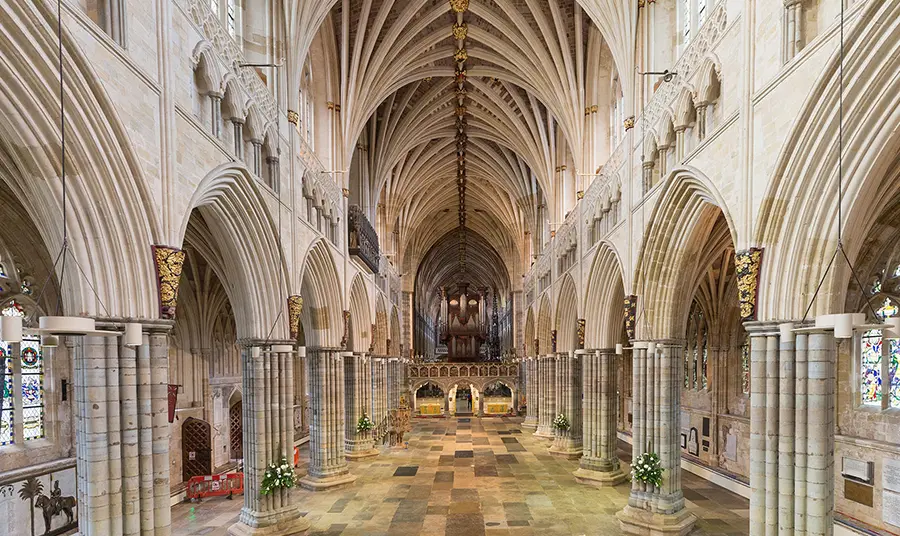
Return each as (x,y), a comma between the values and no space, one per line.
(467,477)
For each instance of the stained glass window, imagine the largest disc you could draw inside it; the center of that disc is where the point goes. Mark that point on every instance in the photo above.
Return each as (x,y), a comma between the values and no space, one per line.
(870,369)
(13,309)
(686,22)
(745,366)
(871,358)
(6,408)
(32,389)
(2,270)
(696,354)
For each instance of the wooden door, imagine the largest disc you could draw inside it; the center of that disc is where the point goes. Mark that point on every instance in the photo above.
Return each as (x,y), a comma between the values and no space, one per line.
(236,418)
(196,450)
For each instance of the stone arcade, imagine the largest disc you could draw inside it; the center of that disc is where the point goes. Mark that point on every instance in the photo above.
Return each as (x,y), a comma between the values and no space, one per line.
(450,266)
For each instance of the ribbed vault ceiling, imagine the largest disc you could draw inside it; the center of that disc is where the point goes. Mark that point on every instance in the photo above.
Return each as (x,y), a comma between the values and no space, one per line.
(528,70)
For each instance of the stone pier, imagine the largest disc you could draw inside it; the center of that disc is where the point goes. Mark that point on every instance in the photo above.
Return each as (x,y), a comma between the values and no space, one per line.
(531,392)
(357,401)
(792,398)
(122,433)
(568,443)
(268,415)
(327,460)
(657,376)
(600,463)
(547,412)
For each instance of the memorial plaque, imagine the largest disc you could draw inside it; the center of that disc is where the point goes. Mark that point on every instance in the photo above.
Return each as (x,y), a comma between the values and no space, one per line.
(705,426)
(890,476)
(684,441)
(859,470)
(859,493)
(890,503)
(731,447)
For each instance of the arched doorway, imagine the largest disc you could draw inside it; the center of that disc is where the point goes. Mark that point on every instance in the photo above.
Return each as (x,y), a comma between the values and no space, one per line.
(498,398)
(429,400)
(196,451)
(236,434)
(464,400)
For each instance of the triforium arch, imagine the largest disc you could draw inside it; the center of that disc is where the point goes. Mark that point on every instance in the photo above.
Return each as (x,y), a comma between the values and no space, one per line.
(802,195)
(116,218)
(567,309)
(360,325)
(686,213)
(604,300)
(322,316)
(231,207)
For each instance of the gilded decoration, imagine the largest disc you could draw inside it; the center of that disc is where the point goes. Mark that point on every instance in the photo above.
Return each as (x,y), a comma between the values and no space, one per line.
(345,339)
(747,265)
(295,309)
(629,123)
(293,117)
(459,6)
(460,31)
(553,341)
(169,263)
(461,55)
(579,194)
(579,329)
(630,316)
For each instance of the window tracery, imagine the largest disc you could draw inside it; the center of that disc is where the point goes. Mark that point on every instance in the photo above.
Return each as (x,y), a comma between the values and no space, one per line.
(874,355)
(696,356)
(31,378)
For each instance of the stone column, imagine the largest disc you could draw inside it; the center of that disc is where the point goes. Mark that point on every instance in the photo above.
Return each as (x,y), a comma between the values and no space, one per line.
(600,463)
(548,398)
(357,394)
(792,398)
(122,433)
(568,443)
(531,390)
(379,389)
(327,461)
(657,415)
(268,415)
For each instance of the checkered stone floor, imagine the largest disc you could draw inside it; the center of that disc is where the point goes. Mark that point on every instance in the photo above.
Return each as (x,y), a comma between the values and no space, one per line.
(468,477)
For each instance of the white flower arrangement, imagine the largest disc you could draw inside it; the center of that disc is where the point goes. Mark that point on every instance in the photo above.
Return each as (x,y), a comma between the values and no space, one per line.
(647,469)
(364,424)
(561,422)
(278,476)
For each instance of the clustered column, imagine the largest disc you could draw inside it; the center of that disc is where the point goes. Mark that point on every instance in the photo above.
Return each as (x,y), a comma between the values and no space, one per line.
(568,443)
(357,394)
(531,393)
(600,463)
(792,398)
(268,415)
(122,435)
(327,461)
(379,390)
(657,411)
(547,374)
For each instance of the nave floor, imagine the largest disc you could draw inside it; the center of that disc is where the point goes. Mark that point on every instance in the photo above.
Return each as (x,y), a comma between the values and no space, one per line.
(469,477)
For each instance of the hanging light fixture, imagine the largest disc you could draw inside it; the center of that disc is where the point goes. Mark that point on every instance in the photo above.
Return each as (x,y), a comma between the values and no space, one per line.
(11,329)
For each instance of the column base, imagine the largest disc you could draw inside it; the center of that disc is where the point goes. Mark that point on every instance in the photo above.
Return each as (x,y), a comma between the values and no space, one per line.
(566,448)
(543,432)
(600,479)
(643,523)
(362,454)
(530,423)
(285,527)
(312,483)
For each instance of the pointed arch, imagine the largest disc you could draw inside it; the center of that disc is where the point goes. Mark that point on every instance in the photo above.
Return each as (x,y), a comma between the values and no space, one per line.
(359,334)
(567,314)
(396,345)
(604,300)
(685,214)
(530,350)
(381,326)
(322,317)
(544,326)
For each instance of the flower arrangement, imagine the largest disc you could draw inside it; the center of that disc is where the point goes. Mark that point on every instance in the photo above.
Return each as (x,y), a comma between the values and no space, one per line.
(647,469)
(561,422)
(278,475)
(364,424)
